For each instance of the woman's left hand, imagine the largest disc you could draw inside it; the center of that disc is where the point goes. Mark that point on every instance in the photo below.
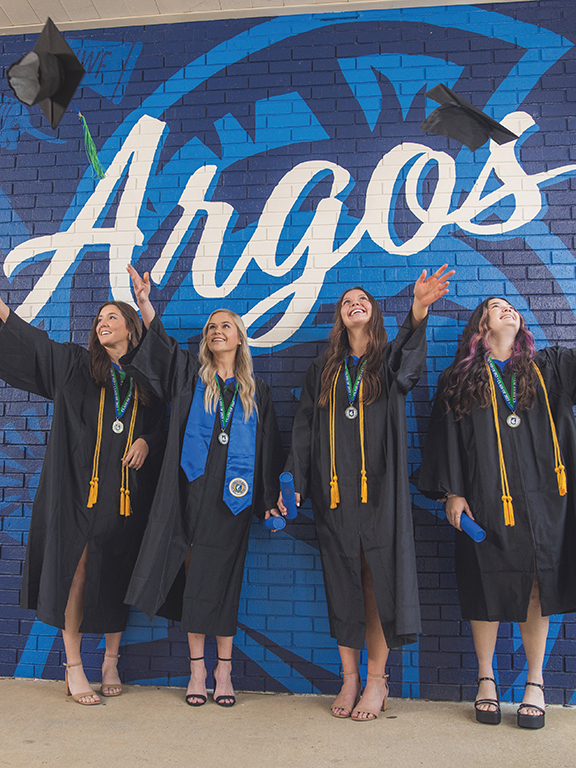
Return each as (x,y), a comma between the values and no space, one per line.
(428,290)
(137,454)
(272,513)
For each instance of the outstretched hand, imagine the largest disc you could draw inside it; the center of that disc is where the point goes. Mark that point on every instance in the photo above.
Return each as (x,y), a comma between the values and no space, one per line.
(141,287)
(430,289)
(427,290)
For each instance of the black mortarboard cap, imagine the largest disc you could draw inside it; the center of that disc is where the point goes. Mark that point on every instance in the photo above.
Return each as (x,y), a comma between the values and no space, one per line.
(48,75)
(457,119)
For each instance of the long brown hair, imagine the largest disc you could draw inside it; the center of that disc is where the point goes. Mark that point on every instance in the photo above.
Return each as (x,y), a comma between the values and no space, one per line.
(339,345)
(99,360)
(244,369)
(466,382)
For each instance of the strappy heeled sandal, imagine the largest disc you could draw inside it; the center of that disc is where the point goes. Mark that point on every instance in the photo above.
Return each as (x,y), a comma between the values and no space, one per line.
(343,674)
(225,700)
(189,696)
(531,721)
(77,696)
(106,689)
(488,716)
(374,714)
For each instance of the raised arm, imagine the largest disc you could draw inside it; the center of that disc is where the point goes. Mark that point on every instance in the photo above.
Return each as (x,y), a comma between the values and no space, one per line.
(141,287)
(4,311)
(428,290)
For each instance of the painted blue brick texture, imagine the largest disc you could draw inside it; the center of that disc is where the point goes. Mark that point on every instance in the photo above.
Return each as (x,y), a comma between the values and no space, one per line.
(320,178)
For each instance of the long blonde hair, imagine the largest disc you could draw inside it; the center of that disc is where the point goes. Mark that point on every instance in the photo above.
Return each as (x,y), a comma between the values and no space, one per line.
(244,370)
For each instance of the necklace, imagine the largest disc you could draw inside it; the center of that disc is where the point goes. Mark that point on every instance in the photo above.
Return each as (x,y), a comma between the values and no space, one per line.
(351,411)
(225,414)
(120,409)
(513,419)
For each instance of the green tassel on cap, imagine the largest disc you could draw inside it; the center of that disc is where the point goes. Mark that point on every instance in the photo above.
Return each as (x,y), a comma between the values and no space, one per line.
(90,149)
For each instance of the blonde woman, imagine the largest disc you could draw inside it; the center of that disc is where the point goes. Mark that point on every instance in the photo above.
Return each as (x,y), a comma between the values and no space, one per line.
(222,464)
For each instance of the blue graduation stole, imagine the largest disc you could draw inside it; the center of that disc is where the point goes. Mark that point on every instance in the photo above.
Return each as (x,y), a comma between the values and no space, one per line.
(239,482)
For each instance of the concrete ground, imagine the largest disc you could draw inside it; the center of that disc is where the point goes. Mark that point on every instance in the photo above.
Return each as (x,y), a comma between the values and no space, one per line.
(150,726)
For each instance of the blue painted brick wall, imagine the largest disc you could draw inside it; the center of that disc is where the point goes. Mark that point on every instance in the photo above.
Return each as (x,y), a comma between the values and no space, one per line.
(258,100)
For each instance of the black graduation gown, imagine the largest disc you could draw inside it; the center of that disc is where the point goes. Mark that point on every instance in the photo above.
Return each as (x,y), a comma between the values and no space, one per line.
(383,526)
(62,525)
(495,577)
(193,516)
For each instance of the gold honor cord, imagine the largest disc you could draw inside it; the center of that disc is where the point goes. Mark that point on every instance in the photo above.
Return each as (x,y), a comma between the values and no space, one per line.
(559,467)
(125,508)
(506,498)
(334,490)
(93,495)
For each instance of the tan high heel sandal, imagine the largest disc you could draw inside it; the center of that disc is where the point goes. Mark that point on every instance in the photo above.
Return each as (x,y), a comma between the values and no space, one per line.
(77,696)
(383,708)
(343,674)
(106,688)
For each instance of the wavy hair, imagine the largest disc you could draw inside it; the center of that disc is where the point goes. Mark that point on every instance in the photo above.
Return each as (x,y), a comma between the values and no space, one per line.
(98,358)
(465,382)
(339,345)
(244,369)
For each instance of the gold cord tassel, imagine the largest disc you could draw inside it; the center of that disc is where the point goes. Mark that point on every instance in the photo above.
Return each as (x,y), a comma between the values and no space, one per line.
(334,490)
(506,498)
(125,508)
(364,477)
(93,495)
(559,468)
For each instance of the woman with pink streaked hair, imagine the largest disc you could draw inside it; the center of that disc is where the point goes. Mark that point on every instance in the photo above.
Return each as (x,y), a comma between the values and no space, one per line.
(501,449)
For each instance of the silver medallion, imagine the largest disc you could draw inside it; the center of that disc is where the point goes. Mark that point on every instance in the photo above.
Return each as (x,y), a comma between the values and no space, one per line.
(513,420)
(118,427)
(351,412)
(223,438)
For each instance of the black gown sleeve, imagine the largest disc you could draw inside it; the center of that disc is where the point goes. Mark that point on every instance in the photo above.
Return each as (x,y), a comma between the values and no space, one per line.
(407,354)
(443,467)
(562,361)
(272,452)
(31,361)
(160,364)
(300,458)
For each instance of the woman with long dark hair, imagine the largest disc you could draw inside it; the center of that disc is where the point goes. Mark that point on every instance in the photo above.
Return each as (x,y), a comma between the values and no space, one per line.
(501,448)
(91,506)
(222,464)
(349,453)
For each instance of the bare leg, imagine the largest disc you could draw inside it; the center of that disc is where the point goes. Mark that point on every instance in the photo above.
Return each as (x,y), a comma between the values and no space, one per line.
(376,688)
(485,634)
(223,688)
(534,635)
(346,700)
(196,691)
(77,680)
(110,678)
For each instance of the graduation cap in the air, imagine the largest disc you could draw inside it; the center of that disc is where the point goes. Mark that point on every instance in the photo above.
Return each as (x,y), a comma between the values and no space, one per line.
(457,119)
(48,75)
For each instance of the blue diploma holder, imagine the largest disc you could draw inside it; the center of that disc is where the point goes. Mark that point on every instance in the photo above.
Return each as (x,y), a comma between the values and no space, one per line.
(274,523)
(472,528)
(288,494)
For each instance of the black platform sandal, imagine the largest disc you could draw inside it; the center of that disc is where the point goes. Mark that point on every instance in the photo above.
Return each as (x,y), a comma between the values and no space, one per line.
(201,696)
(226,700)
(531,721)
(488,716)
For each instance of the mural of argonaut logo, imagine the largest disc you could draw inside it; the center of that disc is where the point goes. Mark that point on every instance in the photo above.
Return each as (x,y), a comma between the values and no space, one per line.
(283,161)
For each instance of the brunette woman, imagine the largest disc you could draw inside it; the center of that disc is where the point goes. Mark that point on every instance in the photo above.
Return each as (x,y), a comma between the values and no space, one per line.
(349,453)
(91,505)
(501,448)
(222,464)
